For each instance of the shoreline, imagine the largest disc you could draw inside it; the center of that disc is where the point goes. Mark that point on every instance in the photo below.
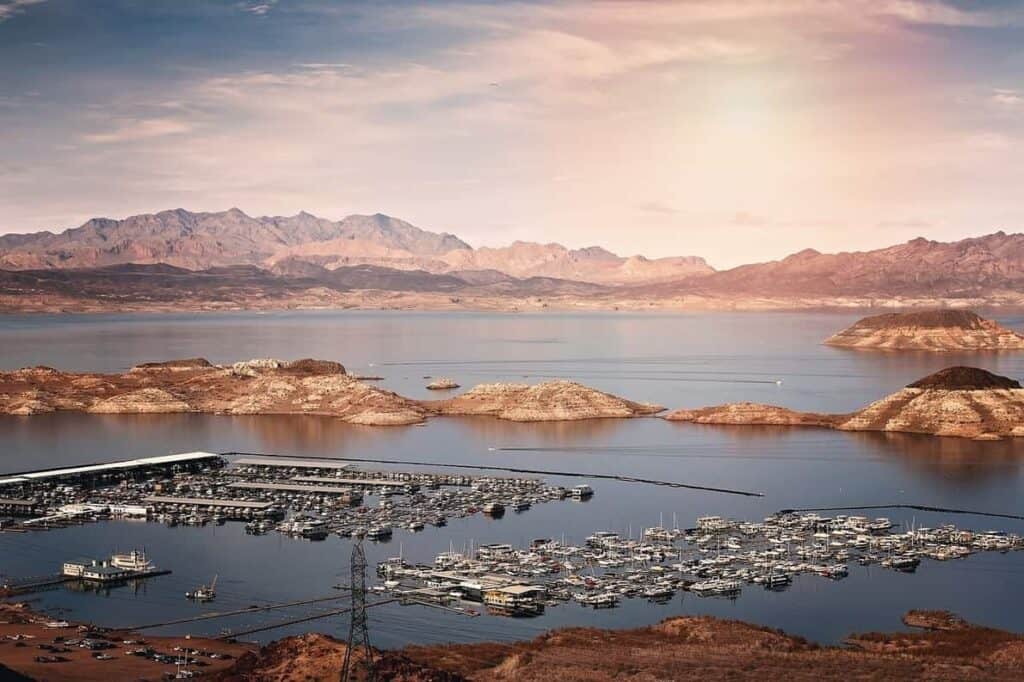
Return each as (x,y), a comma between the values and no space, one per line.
(936,644)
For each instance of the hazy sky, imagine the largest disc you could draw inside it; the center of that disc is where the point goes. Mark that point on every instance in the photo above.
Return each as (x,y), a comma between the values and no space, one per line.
(734,130)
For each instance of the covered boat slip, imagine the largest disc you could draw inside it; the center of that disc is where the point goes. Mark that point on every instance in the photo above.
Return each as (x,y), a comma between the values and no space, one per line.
(107,468)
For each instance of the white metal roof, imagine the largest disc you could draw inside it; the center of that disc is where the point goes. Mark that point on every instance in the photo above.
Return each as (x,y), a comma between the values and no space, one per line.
(109,466)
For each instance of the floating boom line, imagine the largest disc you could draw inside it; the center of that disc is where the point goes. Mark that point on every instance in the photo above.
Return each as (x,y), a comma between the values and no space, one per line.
(517,470)
(917,507)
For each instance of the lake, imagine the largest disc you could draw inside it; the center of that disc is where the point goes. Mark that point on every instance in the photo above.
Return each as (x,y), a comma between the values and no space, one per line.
(677,360)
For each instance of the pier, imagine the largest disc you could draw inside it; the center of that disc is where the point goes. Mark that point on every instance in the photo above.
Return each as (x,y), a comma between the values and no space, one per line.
(207,502)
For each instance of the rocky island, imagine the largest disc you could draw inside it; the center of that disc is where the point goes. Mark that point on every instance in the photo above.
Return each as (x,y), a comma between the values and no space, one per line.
(442,384)
(964,402)
(558,400)
(928,330)
(308,387)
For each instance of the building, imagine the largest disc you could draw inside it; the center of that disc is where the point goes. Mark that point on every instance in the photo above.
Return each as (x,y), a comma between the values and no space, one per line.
(516,600)
(75,568)
(104,573)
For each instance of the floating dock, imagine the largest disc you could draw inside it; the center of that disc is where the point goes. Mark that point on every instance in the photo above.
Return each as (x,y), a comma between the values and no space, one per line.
(207,502)
(385,483)
(293,488)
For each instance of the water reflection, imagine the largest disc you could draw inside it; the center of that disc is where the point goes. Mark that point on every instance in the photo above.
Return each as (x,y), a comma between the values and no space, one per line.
(966,461)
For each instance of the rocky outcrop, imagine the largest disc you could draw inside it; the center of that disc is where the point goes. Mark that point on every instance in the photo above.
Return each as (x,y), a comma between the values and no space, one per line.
(549,401)
(264,386)
(752,414)
(959,401)
(142,401)
(935,620)
(442,384)
(930,330)
(173,365)
(964,402)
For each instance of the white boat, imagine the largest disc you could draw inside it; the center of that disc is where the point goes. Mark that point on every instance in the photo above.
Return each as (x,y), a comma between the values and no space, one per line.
(581,491)
(134,560)
(378,533)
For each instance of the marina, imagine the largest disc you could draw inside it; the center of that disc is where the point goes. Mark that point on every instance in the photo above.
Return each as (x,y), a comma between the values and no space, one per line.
(792,468)
(310,499)
(717,558)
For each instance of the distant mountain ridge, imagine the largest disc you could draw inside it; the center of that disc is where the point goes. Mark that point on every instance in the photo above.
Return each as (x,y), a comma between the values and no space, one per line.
(200,241)
(973,267)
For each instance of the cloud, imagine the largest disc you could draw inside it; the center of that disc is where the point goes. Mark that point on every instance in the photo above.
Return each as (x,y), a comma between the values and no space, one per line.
(1006,97)
(139,129)
(10,8)
(945,14)
(260,9)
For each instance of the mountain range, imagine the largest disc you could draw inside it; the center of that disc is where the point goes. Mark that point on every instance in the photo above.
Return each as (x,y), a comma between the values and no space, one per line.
(199,241)
(230,259)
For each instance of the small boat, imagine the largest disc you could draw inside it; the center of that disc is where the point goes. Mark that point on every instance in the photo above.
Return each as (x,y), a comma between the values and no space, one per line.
(581,492)
(378,533)
(204,592)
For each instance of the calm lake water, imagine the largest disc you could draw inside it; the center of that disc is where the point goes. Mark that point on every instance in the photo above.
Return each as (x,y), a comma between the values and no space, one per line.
(675,360)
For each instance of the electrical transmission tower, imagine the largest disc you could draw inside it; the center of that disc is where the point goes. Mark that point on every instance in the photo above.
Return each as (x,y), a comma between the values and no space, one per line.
(358,634)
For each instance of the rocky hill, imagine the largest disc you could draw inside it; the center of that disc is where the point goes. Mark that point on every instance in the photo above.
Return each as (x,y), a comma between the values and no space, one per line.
(679,648)
(928,330)
(964,402)
(548,401)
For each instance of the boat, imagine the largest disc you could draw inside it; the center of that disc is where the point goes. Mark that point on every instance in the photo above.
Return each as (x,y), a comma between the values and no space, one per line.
(134,561)
(494,508)
(903,562)
(717,586)
(204,593)
(378,533)
(581,492)
(777,581)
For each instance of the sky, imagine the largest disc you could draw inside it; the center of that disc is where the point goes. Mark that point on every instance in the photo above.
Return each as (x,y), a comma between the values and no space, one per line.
(733,130)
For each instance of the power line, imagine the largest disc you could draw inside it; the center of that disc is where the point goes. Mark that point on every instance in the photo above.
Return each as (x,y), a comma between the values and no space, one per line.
(358,633)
